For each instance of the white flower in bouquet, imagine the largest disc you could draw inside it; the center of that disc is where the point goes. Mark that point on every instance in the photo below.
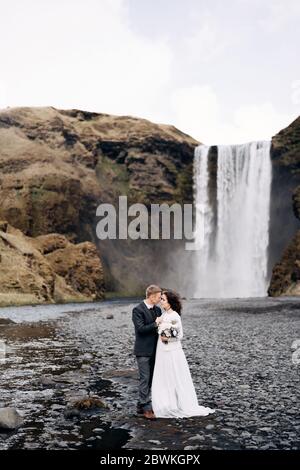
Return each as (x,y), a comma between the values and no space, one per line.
(169,329)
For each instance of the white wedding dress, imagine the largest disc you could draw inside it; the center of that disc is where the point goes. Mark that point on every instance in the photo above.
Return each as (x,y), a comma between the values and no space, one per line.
(173,391)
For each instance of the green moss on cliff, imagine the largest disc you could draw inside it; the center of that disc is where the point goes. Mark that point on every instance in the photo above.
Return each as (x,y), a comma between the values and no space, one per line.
(112,176)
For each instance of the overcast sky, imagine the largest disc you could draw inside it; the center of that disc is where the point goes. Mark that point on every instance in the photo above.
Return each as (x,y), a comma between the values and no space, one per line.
(221,71)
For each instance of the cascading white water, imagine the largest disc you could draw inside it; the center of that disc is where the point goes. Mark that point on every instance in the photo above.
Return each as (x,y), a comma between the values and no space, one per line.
(232,221)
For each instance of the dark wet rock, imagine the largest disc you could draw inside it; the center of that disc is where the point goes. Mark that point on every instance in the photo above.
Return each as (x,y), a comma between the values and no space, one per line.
(10,418)
(71,376)
(88,403)
(56,407)
(70,413)
(117,405)
(6,321)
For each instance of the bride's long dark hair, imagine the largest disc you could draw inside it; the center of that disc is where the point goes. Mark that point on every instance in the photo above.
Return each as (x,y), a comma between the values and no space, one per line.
(174,300)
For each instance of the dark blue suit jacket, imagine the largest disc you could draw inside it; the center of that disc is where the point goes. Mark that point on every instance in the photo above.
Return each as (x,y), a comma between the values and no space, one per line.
(145,329)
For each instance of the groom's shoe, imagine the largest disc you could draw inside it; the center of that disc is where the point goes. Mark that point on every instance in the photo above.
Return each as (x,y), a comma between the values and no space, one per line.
(139,410)
(148,414)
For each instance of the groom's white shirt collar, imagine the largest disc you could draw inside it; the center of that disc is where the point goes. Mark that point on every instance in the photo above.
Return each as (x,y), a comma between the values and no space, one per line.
(148,305)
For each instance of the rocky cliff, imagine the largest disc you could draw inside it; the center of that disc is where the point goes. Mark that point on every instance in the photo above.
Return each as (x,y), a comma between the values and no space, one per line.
(57,166)
(47,269)
(284,257)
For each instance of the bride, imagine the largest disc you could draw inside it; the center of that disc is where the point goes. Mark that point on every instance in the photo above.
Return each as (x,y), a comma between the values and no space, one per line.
(173,392)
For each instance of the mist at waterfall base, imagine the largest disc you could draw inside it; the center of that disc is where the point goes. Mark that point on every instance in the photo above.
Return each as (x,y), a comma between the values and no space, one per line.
(232,218)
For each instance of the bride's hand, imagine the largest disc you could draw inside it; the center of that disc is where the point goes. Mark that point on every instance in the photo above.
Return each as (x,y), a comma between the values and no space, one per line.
(158,320)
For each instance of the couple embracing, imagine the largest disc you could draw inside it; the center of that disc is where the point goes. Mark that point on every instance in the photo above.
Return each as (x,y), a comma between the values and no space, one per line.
(162,365)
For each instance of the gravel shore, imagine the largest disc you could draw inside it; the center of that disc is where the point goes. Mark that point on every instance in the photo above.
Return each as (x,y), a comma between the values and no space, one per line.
(240,356)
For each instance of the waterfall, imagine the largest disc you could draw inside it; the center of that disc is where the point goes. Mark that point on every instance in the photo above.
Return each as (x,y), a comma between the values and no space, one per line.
(232,220)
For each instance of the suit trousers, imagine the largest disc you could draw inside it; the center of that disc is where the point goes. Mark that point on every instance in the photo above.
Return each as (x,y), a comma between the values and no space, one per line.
(146,368)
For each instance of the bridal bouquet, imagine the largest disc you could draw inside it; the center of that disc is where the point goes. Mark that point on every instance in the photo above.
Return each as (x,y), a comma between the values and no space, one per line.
(169,330)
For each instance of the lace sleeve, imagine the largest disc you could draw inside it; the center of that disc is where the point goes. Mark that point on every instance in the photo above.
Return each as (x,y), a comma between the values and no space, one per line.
(180,335)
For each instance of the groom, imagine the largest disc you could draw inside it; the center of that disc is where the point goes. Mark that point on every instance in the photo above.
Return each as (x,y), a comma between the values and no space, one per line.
(145,319)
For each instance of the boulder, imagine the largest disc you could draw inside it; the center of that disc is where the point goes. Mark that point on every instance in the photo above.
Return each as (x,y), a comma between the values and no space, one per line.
(10,418)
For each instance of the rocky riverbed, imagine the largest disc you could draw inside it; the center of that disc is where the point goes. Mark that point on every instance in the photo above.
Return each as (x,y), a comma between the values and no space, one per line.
(57,361)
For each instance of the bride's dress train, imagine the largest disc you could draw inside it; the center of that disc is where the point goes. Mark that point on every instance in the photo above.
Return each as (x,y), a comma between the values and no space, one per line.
(173,391)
